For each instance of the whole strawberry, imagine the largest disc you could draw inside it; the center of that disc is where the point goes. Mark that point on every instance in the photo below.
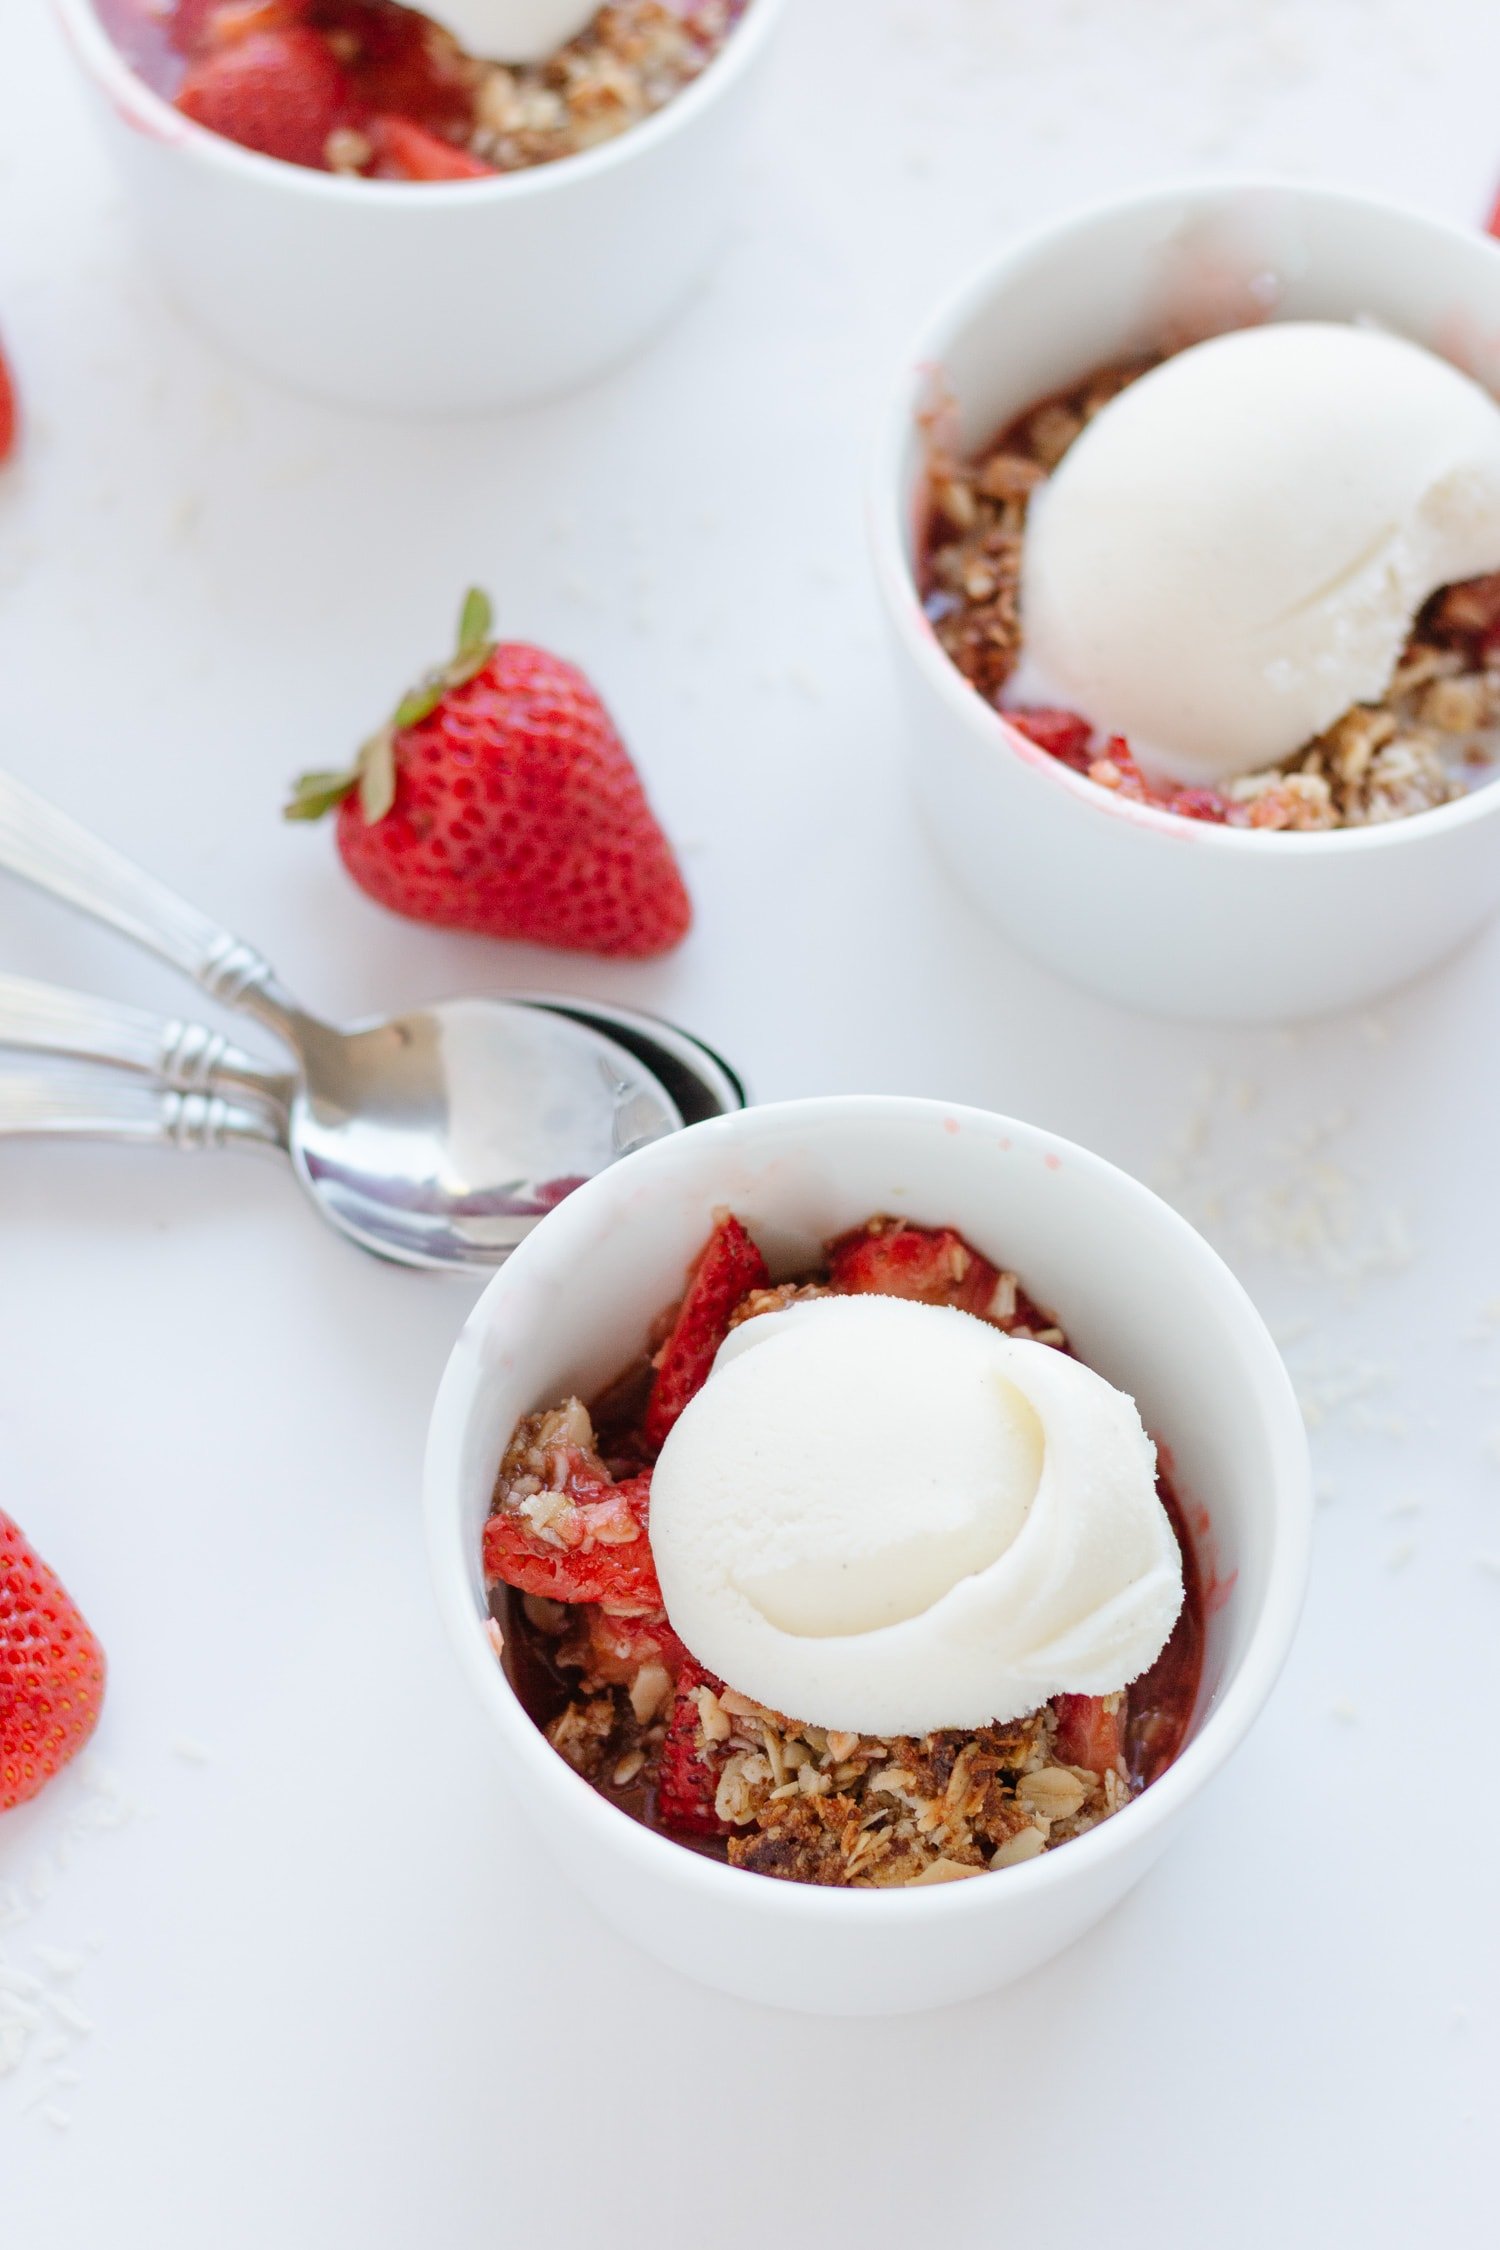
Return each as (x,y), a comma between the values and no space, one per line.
(51,1672)
(499,798)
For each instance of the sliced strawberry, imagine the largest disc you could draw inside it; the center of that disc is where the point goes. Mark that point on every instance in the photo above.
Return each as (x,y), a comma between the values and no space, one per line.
(1116,769)
(279,91)
(1062,734)
(10,417)
(1468,617)
(404,151)
(198,25)
(685,1783)
(1196,804)
(407,66)
(1088,1733)
(51,1672)
(620,1647)
(1068,738)
(933,1265)
(728,1268)
(584,1540)
(1160,1706)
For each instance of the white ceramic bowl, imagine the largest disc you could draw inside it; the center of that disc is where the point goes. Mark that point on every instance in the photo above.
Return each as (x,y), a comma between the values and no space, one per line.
(1148,1304)
(433,297)
(1163,913)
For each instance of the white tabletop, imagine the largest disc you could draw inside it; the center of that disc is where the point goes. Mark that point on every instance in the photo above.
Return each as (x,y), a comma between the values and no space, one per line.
(304,1979)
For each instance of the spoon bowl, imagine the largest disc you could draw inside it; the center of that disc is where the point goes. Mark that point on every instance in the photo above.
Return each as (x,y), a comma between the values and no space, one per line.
(439,1138)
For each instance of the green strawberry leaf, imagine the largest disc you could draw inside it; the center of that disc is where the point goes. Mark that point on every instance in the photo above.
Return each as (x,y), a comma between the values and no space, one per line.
(374,771)
(377,776)
(476,623)
(314,794)
(418,702)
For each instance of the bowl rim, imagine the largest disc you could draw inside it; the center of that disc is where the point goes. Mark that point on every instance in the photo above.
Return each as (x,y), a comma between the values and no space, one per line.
(610,1833)
(142,107)
(889,503)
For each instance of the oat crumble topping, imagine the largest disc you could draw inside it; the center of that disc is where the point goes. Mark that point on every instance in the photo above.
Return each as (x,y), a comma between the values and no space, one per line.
(855,1811)
(634,58)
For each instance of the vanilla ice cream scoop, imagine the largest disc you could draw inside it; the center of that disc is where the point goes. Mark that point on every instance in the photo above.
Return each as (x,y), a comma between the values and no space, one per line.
(512,31)
(1235,549)
(889,1517)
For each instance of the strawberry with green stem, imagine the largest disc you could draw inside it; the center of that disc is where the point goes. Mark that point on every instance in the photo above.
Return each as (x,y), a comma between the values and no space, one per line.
(499,798)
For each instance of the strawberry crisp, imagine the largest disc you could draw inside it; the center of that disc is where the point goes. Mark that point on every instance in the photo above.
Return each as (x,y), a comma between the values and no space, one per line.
(1435,732)
(578,1619)
(379,91)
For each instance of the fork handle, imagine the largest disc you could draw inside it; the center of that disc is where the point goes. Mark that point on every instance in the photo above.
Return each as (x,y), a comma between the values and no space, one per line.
(100,1105)
(187,1057)
(43,846)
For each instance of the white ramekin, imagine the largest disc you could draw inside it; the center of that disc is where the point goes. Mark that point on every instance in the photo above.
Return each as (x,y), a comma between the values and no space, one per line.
(1168,914)
(439,297)
(1147,1303)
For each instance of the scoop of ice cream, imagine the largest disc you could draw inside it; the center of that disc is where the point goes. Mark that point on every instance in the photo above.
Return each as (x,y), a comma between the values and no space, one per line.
(512,31)
(889,1517)
(1235,549)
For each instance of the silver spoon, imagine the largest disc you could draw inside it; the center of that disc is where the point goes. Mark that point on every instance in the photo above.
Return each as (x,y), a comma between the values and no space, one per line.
(439,1137)
(189,1058)
(87,1101)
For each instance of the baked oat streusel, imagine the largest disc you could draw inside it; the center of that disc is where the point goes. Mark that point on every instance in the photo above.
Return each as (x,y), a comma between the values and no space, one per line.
(635,57)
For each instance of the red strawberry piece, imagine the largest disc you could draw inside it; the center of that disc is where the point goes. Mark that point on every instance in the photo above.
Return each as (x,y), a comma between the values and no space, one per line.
(1197,804)
(686,1783)
(728,1268)
(1088,1733)
(279,91)
(1062,734)
(1162,1701)
(407,67)
(197,25)
(1468,617)
(1492,223)
(10,413)
(1116,769)
(620,1647)
(404,151)
(591,1546)
(51,1672)
(500,799)
(933,1265)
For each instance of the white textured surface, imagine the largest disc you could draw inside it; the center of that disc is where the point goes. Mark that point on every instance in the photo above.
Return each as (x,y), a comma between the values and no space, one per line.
(334,1995)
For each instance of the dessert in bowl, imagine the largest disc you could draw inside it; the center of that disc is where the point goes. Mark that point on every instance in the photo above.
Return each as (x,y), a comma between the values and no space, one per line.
(705,1680)
(425,227)
(378,90)
(1188,523)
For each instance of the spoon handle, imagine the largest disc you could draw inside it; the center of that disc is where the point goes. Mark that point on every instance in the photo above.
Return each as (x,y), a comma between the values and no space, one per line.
(82,1103)
(43,846)
(186,1058)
